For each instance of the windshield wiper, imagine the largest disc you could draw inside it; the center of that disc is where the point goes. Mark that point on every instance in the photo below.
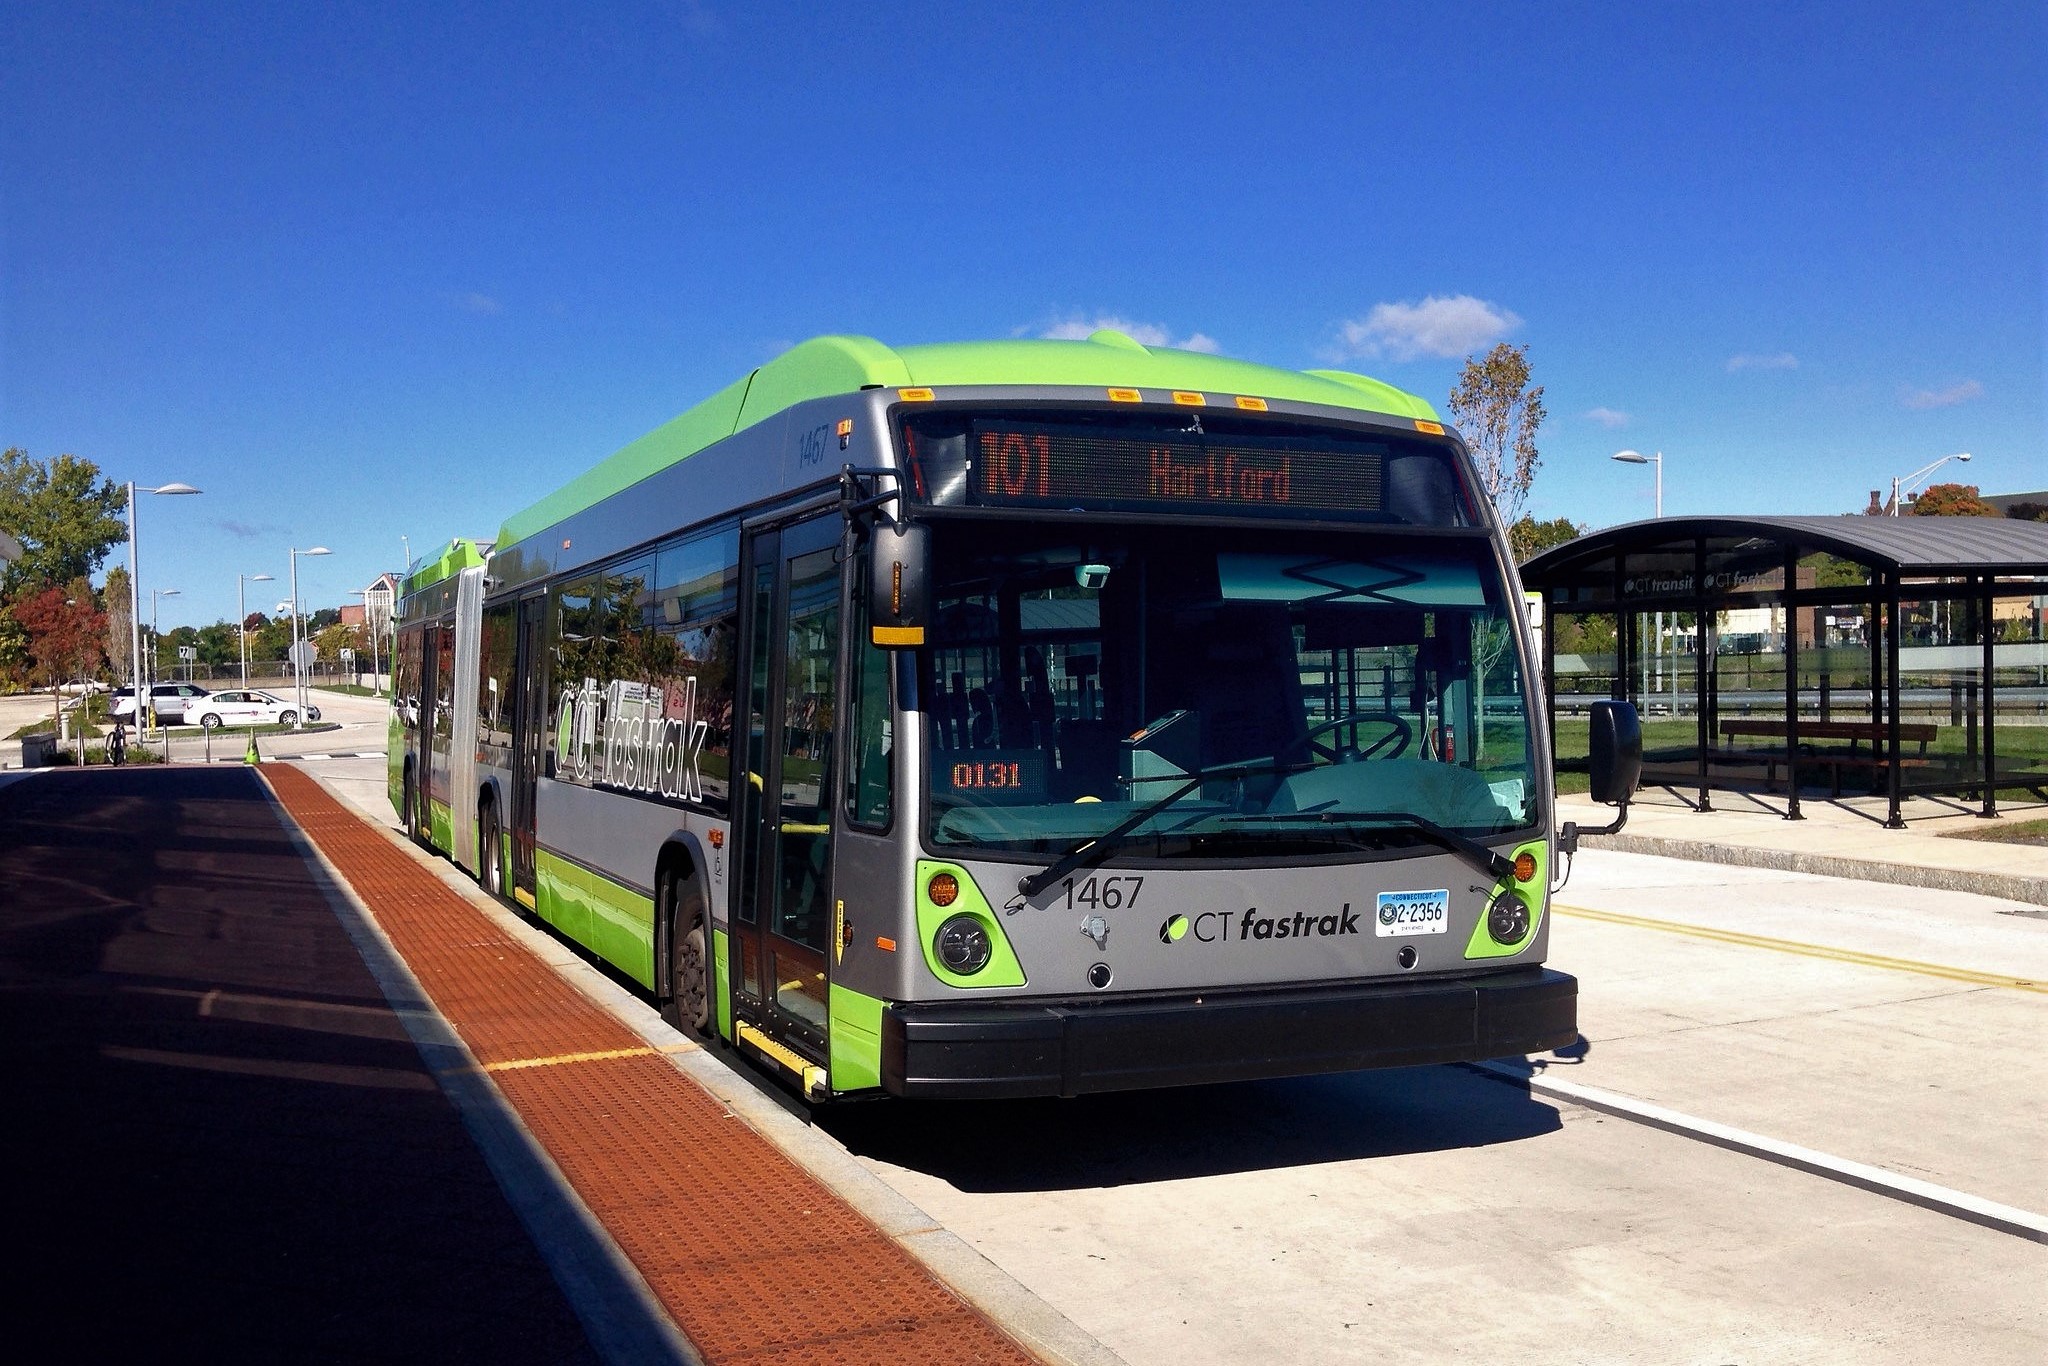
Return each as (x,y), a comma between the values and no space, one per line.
(1488,861)
(1095,848)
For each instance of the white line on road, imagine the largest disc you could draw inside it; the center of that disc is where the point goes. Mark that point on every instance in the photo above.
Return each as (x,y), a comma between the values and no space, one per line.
(1987,1213)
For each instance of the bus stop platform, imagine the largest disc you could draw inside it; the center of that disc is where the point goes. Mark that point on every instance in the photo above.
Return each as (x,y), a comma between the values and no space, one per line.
(289,1094)
(1841,838)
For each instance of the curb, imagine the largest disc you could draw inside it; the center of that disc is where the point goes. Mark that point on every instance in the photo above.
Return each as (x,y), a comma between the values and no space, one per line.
(2003,886)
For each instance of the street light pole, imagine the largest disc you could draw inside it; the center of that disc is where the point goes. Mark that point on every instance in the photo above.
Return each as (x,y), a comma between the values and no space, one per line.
(242,582)
(298,668)
(1901,487)
(135,597)
(1638,458)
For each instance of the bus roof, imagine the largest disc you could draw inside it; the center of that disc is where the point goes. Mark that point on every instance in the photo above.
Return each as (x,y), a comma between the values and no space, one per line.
(445,563)
(825,366)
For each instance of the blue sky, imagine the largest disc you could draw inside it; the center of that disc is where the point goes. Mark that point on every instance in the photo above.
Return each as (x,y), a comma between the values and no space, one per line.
(368,271)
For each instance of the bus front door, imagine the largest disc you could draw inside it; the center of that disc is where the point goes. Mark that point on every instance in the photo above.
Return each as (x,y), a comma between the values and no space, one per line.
(529,728)
(781,913)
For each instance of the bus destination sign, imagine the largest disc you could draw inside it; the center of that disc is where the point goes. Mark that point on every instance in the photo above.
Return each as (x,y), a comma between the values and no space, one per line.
(1021,465)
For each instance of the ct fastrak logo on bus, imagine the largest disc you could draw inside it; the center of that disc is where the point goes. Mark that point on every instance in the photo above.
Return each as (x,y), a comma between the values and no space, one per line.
(1221,927)
(632,735)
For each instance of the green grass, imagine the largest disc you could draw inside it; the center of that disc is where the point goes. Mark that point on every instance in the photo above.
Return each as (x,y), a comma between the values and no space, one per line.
(350,689)
(2015,832)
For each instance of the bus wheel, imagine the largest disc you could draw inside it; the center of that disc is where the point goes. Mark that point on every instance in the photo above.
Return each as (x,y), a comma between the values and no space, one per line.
(411,815)
(490,854)
(689,1008)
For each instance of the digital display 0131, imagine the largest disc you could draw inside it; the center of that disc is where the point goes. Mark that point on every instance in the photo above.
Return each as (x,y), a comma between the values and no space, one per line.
(1026,465)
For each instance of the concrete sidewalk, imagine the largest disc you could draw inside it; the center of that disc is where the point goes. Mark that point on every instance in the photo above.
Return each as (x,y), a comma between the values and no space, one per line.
(1845,837)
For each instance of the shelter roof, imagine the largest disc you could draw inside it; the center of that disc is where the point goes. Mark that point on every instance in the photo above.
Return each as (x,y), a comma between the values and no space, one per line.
(1902,545)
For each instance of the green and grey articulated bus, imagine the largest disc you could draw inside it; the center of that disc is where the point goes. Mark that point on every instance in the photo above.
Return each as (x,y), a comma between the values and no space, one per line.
(1015,718)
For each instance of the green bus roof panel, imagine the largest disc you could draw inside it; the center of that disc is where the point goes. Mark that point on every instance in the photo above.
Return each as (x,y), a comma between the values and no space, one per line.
(445,563)
(825,366)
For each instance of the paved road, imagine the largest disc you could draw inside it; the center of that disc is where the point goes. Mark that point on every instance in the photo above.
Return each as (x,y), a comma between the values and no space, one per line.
(223,1145)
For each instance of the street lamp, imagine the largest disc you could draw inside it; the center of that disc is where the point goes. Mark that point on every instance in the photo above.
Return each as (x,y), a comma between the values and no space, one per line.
(1638,458)
(1901,487)
(135,595)
(242,582)
(299,669)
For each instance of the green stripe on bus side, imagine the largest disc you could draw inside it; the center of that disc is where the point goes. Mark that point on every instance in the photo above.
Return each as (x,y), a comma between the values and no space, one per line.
(616,923)
(855,1039)
(723,977)
(440,826)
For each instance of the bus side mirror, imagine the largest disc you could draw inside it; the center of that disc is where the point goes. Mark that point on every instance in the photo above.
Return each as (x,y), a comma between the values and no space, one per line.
(1615,752)
(899,584)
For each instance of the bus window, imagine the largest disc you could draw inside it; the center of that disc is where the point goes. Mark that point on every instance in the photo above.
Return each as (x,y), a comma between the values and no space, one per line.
(694,610)
(494,685)
(870,792)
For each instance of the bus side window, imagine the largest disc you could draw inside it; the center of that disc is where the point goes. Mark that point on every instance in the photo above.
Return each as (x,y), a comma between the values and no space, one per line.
(870,791)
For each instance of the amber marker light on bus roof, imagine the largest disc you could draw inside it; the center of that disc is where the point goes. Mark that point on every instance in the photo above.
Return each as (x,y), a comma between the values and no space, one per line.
(943,889)
(1182,396)
(1251,405)
(914,395)
(1433,428)
(1525,867)
(1125,396)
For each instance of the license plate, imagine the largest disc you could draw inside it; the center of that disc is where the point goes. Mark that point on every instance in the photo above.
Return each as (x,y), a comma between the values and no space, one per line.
(1404,913)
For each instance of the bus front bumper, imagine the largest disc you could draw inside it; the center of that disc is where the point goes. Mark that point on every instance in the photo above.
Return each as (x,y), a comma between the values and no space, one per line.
(1070,1047)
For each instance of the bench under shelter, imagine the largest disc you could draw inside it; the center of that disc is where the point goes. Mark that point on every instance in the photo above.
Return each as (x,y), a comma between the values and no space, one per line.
(1888,655)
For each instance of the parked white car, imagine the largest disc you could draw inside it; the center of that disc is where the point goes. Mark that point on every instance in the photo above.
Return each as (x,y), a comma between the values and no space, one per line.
(250,707)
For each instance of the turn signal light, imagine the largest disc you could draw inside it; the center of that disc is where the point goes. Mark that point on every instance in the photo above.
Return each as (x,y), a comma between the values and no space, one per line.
(1525,867)
(943,889)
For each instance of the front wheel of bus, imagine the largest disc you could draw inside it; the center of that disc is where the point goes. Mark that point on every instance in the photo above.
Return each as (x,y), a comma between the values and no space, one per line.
(689,1008)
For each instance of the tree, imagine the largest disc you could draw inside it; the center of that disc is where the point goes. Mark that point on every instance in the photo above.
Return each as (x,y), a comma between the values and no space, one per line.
(66,633)
(1497,413)
(1952,500)
(66,517)
(269,642)
(219,644)
(1529,538)
(334,639)
(2028,512)
(116,604)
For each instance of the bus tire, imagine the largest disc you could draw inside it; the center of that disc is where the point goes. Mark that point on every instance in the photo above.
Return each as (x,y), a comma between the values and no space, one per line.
(490,852)
(688,1007)
(411,804)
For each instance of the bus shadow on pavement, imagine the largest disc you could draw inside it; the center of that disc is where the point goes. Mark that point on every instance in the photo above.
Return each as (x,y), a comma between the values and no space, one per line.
(1137,1137)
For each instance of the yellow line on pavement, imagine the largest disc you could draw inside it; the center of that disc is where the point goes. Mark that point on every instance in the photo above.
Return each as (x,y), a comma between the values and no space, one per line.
(602,1055)
(1757,941)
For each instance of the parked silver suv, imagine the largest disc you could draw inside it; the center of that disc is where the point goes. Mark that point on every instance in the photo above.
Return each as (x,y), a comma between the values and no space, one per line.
(171,700)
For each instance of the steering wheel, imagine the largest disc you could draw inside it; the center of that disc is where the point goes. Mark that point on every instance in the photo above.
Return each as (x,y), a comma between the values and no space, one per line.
(1399,734)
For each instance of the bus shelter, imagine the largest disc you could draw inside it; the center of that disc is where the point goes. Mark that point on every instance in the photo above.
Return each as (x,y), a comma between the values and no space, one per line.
(1893,656)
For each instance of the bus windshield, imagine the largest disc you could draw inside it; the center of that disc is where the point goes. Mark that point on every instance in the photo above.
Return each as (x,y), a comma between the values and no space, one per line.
(1342,682)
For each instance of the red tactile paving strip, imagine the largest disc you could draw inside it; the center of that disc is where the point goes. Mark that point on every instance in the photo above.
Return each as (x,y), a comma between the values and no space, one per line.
(754,1260)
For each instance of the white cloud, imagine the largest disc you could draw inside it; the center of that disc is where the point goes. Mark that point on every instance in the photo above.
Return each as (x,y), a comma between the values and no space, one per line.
(1782,360)
(1609,418)
(1077,328)
(1942,398)
(1441,325)
(473,302)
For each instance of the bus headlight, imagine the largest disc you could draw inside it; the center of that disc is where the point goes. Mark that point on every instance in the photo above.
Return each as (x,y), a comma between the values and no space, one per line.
(1507,920)
(962,944)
